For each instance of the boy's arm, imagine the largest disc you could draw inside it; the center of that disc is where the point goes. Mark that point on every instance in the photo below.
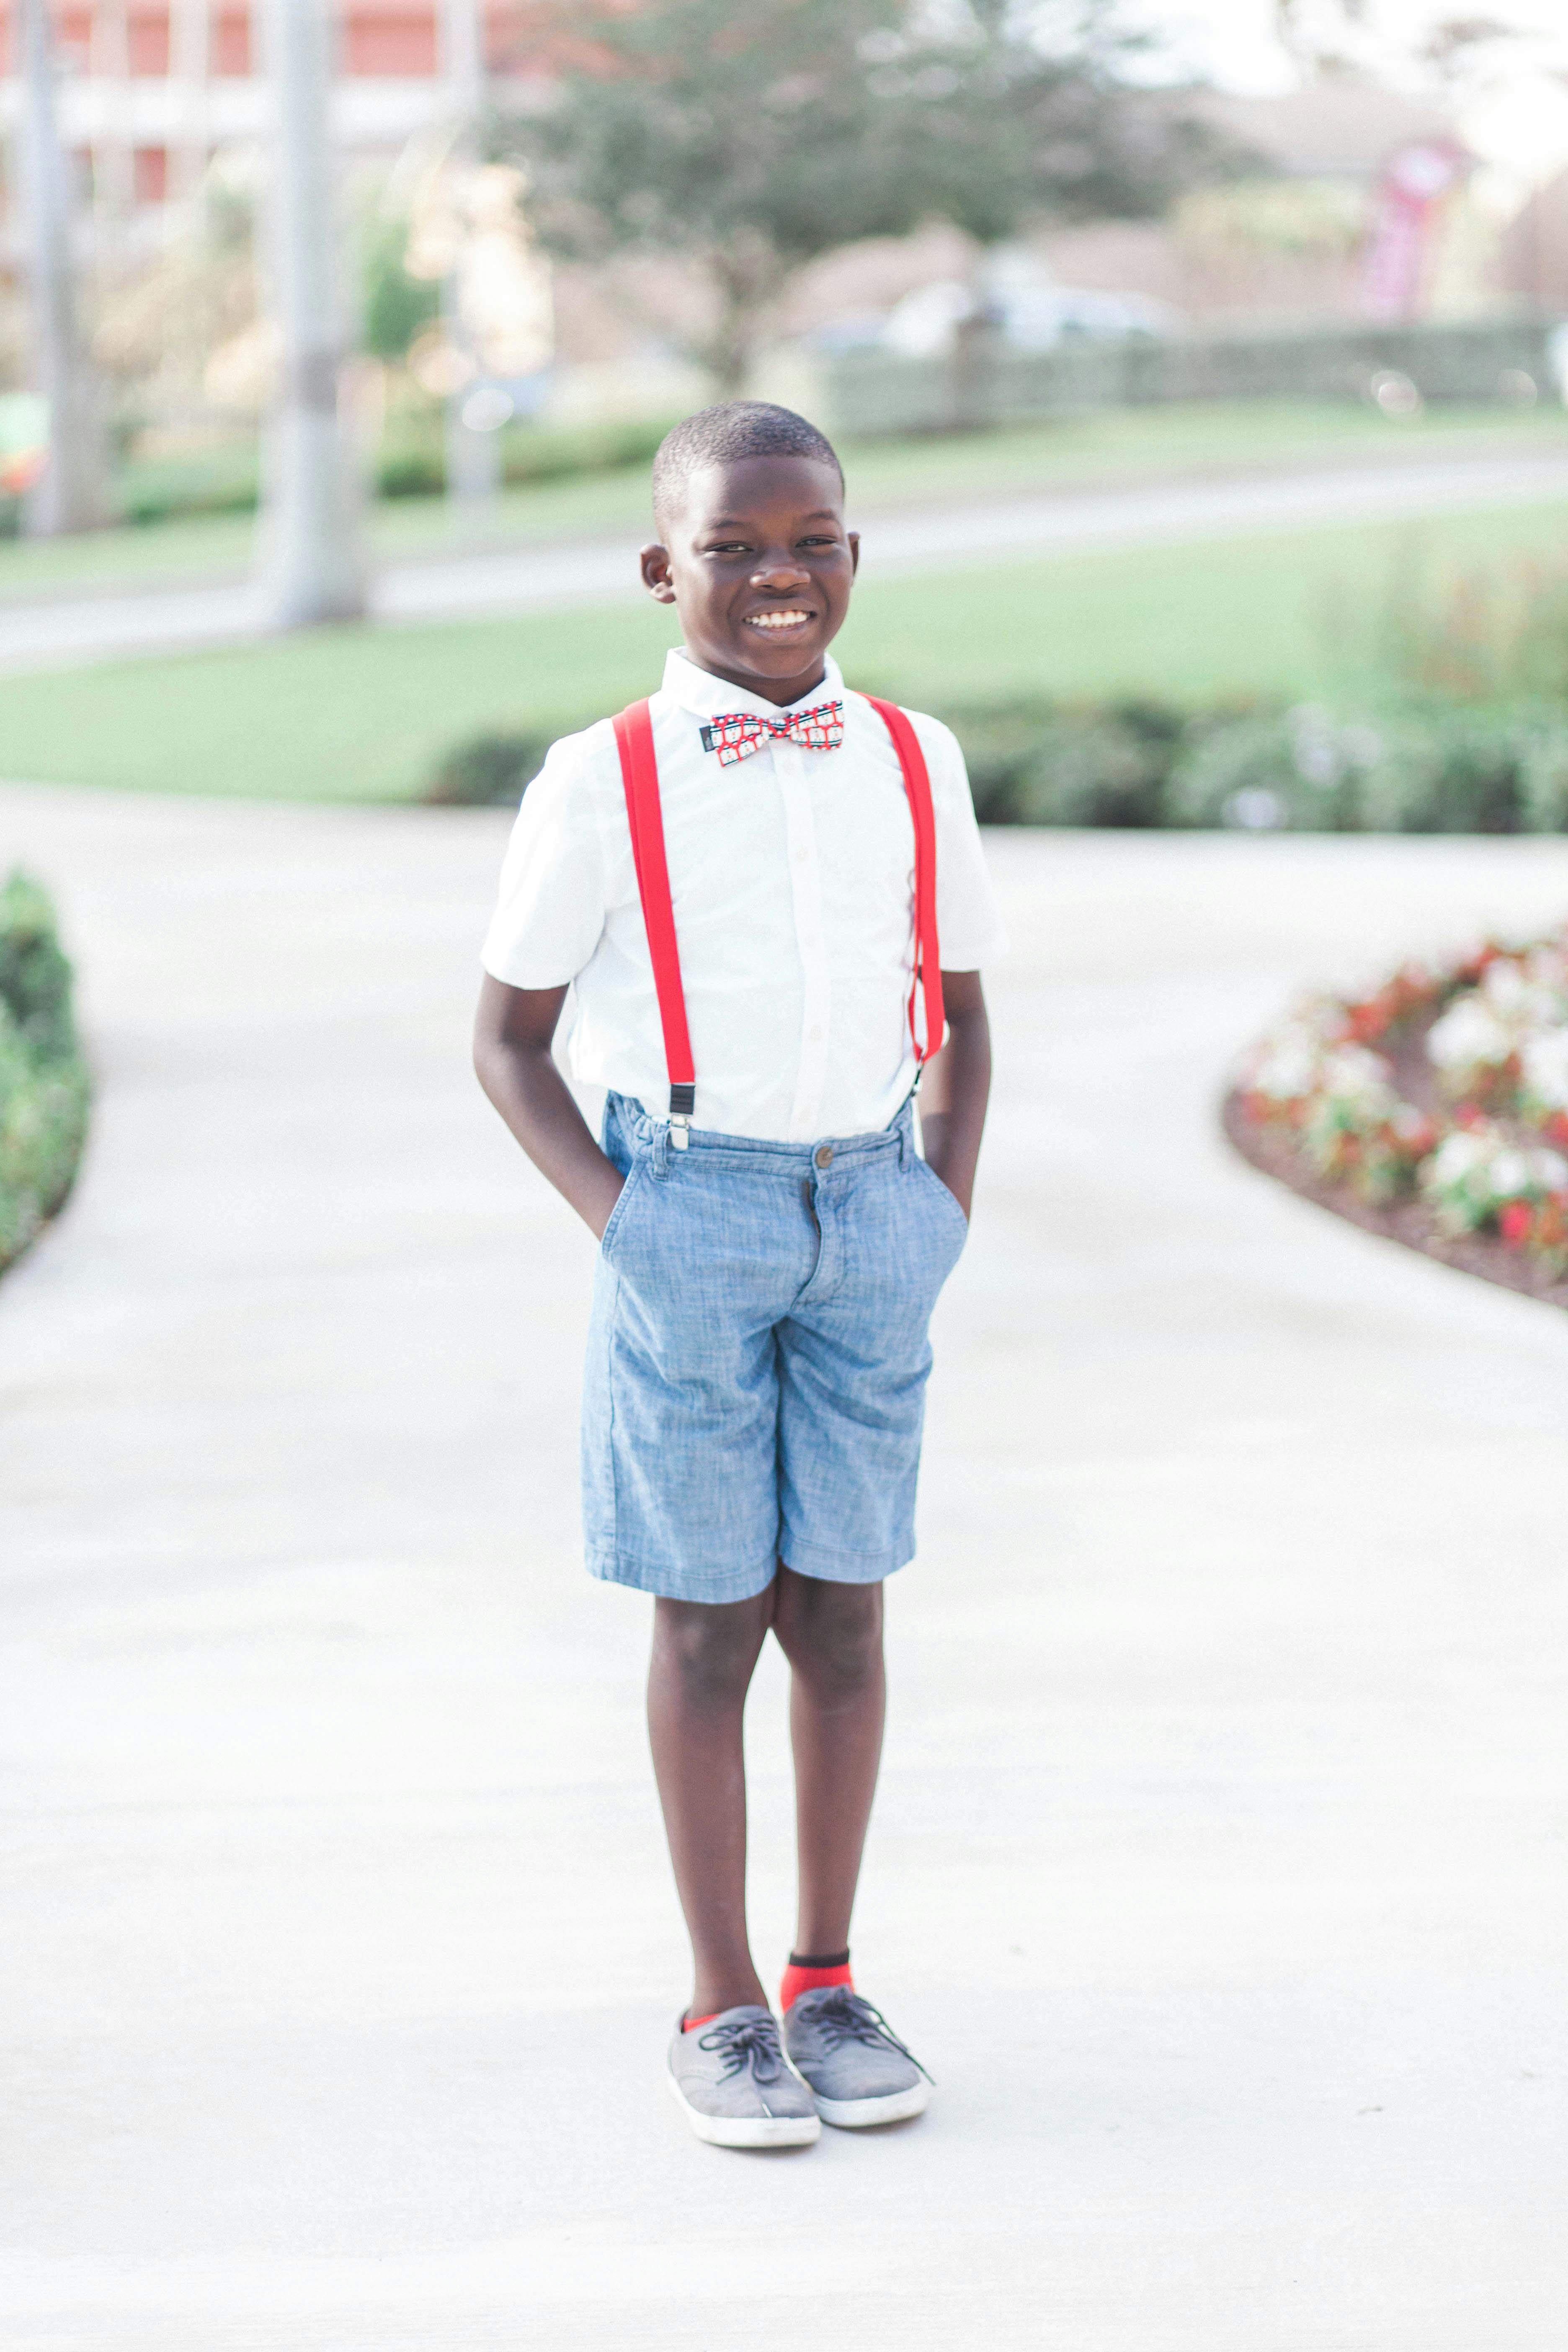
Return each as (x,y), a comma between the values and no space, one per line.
(954,1088)
(512,1031)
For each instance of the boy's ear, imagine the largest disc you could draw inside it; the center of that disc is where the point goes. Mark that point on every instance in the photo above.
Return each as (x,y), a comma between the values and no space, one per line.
(654,565)
(854,538)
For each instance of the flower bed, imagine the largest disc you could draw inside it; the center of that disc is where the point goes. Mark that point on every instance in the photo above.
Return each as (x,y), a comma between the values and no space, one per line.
(43,1086)
(1433,1109)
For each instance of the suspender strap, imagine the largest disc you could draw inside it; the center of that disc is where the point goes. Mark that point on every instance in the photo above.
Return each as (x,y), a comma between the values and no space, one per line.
(639,774)
(928,954)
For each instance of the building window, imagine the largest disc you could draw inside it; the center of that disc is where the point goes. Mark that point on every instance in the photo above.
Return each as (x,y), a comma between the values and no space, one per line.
(147,39)
(231,41)
(390,40)
(150,174)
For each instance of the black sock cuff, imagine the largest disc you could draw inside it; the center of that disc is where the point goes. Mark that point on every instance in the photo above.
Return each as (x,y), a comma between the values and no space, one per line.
(820,1959)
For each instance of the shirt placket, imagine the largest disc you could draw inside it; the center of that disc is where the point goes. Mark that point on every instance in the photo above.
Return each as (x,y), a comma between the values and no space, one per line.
(805,893)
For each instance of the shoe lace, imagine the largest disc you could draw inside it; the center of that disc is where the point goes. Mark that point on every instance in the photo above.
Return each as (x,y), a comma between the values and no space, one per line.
(844,2016)
(745,2042)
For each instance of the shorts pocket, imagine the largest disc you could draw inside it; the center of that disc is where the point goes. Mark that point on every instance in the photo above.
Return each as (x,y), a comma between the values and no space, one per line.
(611,1234)
(950,1200)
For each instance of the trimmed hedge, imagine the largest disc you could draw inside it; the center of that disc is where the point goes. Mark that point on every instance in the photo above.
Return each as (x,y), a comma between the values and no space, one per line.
(44,1084)
(413,461)
(1418,767)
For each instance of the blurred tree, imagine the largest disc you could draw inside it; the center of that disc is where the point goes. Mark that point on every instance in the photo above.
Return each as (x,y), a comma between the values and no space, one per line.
(397,306)
(71,493)
(752,139)
(314,566)
(1313,32)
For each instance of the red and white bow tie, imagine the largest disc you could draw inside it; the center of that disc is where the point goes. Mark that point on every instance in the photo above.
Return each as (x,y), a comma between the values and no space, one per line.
(736,734)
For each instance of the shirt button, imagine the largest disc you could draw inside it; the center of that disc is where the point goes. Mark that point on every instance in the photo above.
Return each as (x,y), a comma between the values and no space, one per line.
(824,1155)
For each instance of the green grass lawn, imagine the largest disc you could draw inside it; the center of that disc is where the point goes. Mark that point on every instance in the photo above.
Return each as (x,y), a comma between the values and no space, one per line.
(362,714)
(1108,445)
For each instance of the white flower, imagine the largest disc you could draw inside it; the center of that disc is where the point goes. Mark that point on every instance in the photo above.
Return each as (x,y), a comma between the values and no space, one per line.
(1354,1073)
(1503,983)
(1458,1156)
(1544,1063)
(1468,1036)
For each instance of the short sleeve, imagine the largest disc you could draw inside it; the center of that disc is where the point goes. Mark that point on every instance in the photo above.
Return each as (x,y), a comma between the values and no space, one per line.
(969,926)
(550,909)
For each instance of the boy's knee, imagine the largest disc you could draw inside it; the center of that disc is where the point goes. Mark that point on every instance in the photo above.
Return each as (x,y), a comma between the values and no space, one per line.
(711,1650)
(835,1637)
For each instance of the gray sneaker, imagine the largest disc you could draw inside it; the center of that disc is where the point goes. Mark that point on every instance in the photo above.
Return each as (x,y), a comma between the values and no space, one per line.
(738,2088)
(859,2071)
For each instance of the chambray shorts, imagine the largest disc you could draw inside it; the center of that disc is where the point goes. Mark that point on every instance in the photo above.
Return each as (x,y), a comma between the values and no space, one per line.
(758,1356)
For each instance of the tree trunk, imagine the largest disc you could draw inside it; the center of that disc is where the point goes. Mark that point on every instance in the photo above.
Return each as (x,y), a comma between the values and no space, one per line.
(315,568)
(473,459)
(72,491)
(748,276)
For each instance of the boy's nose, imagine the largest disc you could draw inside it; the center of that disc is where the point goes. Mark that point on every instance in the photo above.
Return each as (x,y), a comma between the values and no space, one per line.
(781,570)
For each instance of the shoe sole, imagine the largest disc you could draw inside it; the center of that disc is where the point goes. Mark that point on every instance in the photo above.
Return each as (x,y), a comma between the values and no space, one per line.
(860,2114)
(746,2131)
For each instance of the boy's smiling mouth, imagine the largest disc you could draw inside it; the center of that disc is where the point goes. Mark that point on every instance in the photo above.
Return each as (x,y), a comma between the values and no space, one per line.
(793,616)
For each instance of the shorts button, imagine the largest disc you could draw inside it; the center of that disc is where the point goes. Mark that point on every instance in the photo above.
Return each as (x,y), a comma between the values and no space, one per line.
(824,1155)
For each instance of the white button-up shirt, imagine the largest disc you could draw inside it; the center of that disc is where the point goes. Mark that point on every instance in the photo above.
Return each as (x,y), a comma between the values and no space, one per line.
(792,875)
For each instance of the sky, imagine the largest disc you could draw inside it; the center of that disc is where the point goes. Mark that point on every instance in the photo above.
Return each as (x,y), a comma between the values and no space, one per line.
(1510,103)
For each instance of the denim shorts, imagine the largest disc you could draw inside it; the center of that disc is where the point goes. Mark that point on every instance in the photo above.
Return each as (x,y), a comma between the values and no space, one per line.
(758,1356)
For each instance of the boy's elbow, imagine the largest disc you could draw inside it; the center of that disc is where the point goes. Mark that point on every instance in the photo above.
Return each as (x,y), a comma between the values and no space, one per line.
(487,1044)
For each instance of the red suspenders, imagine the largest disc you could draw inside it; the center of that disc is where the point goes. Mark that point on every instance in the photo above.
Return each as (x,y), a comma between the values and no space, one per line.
(639,774)
(928,957)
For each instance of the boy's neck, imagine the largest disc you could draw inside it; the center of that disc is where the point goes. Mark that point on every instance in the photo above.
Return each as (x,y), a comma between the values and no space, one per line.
(781,691)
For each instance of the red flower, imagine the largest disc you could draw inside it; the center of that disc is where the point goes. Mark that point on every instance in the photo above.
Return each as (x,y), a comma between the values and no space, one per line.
(1515,1222)
(1557,1127)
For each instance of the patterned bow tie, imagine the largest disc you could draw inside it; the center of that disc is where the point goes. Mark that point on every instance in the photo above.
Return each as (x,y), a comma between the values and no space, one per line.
(736,734)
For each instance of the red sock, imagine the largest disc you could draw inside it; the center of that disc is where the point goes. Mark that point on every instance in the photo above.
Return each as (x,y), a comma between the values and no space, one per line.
(808,1973)
(690,2025)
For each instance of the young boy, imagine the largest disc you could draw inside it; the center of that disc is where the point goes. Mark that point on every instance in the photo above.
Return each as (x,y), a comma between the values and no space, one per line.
(771,1245)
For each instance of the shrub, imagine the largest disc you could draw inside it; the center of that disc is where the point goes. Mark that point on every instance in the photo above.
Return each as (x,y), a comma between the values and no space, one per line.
(411,470)
(545,453)
(1419,768)
(217,481)
(44,1087)
(1043,764)
(487,771)
(413,461)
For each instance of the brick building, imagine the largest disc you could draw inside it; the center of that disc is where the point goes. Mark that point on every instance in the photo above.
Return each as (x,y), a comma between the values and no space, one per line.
(149,89)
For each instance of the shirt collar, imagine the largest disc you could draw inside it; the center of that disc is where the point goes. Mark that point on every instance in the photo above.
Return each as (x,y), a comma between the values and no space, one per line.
(706,696)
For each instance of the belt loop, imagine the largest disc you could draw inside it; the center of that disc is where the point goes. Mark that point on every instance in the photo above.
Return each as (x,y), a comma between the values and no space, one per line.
(658,1150)
(906,1136)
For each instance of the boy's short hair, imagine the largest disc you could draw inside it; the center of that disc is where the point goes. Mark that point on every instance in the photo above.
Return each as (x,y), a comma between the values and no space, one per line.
(729,430)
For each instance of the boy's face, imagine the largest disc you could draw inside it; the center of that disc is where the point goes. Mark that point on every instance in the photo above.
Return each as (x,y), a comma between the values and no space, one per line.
(758,564)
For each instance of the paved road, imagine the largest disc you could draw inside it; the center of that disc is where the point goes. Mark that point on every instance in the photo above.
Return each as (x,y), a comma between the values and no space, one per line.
(1218,1870)
(551,578)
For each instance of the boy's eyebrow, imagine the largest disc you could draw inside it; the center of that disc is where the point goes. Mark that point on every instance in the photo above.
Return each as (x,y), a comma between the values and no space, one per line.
(745,522)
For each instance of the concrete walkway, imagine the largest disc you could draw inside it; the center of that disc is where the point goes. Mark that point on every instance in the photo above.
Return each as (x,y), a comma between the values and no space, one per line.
(1217,1874)
(553,578)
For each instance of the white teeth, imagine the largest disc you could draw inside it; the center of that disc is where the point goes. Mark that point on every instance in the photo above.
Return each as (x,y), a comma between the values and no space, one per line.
(776,620)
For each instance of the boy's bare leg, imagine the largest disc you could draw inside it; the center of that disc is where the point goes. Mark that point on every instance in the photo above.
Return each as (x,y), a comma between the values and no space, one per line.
(832,1636)
(703,1657)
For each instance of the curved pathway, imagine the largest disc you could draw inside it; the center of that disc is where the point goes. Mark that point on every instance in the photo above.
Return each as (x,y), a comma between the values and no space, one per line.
(1217,1873)
(544,578)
